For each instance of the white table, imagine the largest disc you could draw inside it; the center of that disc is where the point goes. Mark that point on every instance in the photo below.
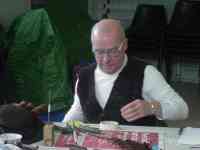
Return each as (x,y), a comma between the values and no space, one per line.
(169,137)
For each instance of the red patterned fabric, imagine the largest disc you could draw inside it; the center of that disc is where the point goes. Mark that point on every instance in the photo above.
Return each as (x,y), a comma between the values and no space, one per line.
(104,142)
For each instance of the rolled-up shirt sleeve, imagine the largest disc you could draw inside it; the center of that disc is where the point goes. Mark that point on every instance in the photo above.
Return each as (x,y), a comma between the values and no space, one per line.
(155,87)
(75,112)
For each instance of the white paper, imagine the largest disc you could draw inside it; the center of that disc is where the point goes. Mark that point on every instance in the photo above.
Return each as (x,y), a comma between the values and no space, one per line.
(190,136)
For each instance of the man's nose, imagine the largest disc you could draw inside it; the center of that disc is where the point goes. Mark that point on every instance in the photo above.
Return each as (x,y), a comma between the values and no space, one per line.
(106,58)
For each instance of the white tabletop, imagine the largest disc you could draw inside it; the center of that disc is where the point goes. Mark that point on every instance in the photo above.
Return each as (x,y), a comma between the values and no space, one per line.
(168,137)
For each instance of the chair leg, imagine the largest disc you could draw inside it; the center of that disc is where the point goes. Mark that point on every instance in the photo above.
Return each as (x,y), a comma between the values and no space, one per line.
(168,68)
(199,75)
(160,60)
(161,54)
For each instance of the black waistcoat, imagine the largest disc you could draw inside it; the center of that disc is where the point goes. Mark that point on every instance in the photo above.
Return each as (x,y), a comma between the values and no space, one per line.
(127,86)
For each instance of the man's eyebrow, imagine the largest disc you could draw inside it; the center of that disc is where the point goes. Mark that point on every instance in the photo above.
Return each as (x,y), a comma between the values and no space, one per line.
(106,49)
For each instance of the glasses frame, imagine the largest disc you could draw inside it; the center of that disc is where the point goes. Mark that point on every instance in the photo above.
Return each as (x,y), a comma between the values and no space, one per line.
(112,52)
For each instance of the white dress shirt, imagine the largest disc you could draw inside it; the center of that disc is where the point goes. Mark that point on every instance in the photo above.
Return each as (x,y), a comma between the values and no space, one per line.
(155,87)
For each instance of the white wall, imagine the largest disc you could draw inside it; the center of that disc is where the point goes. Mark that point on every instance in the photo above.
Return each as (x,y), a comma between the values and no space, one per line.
(9,9)
(124,10)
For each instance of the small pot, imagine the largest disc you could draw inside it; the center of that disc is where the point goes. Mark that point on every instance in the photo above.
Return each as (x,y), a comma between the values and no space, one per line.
(10,138)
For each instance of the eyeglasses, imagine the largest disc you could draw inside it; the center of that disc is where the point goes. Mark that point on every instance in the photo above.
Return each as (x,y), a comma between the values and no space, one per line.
(112,52)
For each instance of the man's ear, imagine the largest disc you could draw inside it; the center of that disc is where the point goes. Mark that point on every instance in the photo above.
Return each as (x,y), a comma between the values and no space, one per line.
(125,45)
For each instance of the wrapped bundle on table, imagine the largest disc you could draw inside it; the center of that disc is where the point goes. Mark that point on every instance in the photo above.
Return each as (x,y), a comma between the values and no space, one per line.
(85,137)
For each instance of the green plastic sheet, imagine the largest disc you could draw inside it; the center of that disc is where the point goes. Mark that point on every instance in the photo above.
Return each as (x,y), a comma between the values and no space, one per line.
(37,60)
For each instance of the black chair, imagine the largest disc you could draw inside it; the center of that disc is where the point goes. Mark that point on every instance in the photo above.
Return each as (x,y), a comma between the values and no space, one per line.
(185,18)
(182,38)
(145,35)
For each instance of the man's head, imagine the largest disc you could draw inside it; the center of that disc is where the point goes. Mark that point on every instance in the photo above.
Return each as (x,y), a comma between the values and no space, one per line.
(109,44)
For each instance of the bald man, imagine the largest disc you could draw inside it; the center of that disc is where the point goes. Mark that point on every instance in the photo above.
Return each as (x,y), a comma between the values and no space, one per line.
(118,88)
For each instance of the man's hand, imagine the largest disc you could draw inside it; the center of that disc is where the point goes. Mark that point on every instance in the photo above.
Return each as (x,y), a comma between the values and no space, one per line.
(135,110)
(40,108)
(35,109)
(24,104)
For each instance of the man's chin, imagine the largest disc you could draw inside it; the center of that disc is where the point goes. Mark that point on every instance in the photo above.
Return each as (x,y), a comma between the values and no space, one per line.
(108,71)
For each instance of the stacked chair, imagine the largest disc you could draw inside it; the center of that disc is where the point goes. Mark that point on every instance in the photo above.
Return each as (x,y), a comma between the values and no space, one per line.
(182,38)
(146,32)
(1,48)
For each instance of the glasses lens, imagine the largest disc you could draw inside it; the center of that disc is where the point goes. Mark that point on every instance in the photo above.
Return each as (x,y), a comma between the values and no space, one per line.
(112,52)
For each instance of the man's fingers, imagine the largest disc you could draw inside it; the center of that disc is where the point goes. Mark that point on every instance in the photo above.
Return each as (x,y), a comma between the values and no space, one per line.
(29,105)
(129,105)
(40,108)
(138,116)
(22,103)
(130,114)
(130,110)
(133,116)
(135,110)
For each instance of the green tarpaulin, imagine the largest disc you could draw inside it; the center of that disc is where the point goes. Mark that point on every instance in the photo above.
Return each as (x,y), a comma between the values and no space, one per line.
(37,60)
